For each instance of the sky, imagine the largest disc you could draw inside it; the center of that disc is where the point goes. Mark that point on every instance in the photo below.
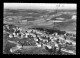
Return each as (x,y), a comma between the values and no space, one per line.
(39,6)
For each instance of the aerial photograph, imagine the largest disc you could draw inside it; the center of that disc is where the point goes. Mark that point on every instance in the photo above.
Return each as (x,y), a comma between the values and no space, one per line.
(39,28)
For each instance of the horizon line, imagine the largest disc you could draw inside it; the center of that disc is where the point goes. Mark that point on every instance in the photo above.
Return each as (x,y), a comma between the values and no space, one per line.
(39,6)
